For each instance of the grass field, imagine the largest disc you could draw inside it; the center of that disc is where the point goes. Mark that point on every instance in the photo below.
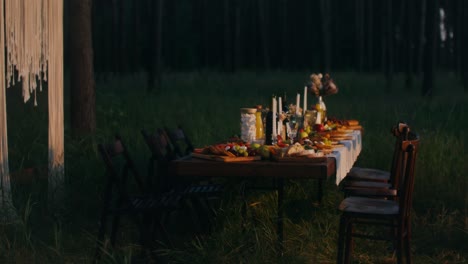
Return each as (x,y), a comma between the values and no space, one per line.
(207,104)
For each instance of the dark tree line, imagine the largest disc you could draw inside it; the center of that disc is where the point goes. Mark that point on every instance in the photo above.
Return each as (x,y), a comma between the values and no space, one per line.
(387,36)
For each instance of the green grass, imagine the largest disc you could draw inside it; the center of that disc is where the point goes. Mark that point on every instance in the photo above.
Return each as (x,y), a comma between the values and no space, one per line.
(207,104)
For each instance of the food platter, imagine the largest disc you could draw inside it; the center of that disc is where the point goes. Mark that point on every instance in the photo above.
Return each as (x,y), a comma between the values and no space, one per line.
(225,158)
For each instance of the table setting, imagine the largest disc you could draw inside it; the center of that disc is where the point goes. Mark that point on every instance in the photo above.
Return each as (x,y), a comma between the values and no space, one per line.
(292,132)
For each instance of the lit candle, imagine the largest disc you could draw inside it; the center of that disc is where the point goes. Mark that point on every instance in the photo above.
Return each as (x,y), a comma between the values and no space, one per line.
(305,99)
(280,106)
(298,101)
(273,109)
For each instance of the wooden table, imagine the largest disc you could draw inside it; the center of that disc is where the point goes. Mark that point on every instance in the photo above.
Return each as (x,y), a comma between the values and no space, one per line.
(198,168)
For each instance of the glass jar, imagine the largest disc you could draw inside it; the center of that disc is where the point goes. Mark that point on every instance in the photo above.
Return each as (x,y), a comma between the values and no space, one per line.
(248,124)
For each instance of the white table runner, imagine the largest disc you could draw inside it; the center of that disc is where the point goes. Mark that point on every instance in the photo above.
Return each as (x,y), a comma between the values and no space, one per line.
(347,155)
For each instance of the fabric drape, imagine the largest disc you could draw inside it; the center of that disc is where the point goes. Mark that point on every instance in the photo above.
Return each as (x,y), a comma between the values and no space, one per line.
(33,39)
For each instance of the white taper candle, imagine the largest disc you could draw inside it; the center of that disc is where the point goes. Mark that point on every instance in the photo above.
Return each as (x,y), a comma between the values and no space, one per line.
(298,101)
(274,107)
(305,100)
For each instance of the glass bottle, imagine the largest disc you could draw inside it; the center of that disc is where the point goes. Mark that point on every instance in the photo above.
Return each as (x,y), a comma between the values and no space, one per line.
(321,111)
(260,134)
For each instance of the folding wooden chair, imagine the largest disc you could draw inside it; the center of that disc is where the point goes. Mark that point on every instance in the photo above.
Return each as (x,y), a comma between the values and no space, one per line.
(167,145)
(125,194)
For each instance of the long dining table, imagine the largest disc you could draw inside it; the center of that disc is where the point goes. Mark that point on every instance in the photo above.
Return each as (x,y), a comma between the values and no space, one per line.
(336,164)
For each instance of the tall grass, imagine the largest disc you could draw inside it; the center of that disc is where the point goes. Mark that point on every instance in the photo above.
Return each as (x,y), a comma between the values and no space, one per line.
(207,104)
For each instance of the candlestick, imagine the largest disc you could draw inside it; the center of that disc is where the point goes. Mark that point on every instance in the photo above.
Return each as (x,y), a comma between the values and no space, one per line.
(274,131)
(280,106)
(298,100)
(305,100)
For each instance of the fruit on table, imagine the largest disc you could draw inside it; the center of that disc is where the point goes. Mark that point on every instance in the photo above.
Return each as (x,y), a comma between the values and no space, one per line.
(304,134)
(264,151)
(319,127)
(255,146)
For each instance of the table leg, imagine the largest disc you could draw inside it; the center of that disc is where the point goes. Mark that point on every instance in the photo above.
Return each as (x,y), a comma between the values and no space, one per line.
(280,215)
(319,191)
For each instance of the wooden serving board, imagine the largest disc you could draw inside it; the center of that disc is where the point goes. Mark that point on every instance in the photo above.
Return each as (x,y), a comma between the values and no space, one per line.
(225,158)
(309,159)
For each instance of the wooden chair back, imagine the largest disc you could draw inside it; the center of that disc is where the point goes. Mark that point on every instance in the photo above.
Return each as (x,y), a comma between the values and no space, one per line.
(405,191)
(162,152)
(182,146)
(400,131)
(119,167)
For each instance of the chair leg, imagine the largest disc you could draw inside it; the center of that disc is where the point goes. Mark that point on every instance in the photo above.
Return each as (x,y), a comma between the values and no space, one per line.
(349,242)
(115,227)
(244,206)
(100,238)
(341,238)
(408,243)
(399,247)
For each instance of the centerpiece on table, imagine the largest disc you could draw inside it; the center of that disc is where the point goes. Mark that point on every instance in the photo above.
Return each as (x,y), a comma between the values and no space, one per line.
(320,85)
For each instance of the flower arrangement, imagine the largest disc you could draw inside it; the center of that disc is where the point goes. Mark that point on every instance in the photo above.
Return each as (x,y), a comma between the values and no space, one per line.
(322,85)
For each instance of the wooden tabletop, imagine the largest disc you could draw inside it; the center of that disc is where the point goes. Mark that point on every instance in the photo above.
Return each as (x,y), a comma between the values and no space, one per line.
(195,167)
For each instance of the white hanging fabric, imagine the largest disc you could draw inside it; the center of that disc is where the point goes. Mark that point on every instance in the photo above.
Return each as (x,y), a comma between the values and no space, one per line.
(4,171)
(55,96)
(34,45)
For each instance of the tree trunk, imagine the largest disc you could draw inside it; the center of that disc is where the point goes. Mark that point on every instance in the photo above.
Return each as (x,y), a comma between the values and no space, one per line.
(115,36)
(390,52)
(464,43)
(409,45)
(122,54)
(458,35)
(227,37)
(284,33)
(422,30)
(326,33)
(154,47)
(262,10)
(134,59)
(430,49)
(83,98)
(370,35)
(237,36)
(159,43)
(360,34)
